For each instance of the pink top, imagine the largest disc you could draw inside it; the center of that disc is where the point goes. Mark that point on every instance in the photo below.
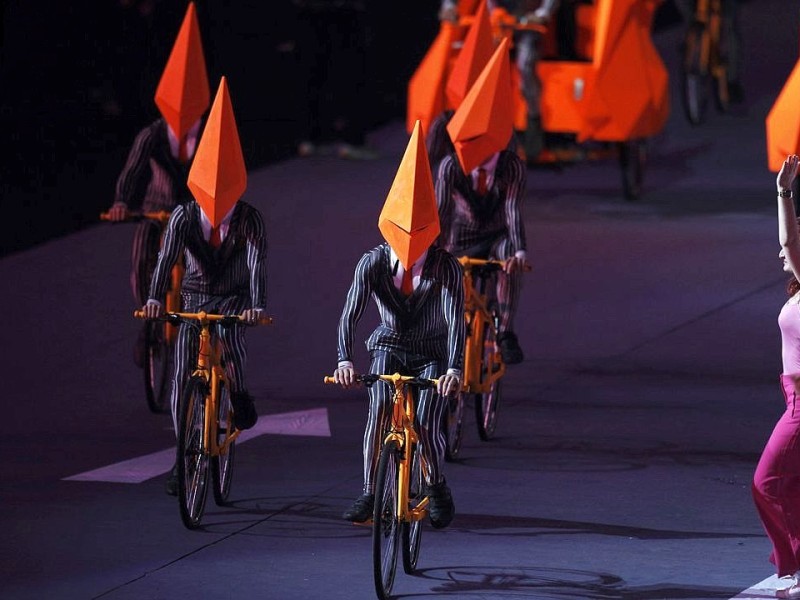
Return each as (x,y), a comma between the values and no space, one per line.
(789,322)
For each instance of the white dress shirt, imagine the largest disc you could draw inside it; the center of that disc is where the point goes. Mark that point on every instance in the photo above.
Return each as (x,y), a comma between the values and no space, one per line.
(399,270)
(191,140)
(205,225)
(489,165)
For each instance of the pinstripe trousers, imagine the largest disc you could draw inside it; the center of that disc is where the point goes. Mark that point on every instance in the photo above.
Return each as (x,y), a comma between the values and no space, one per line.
(231,339)
(429,412)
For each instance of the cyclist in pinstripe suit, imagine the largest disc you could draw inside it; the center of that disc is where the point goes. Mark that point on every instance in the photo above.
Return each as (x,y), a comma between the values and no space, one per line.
(153,179)
(154,176)
(225,273)
(420,334)
(480,216)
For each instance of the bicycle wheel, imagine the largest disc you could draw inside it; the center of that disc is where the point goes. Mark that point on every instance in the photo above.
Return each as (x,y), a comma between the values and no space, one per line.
(192,456)
(222,465)
(486,404)
(157,362)
(632,158)
(385,526)
(452,423)
(411,531)
(696,82)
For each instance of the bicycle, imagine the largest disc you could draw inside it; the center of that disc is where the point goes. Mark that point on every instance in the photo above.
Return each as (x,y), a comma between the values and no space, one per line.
(483,363)
(159,340)
(205,425)
(704,64)
(400,502)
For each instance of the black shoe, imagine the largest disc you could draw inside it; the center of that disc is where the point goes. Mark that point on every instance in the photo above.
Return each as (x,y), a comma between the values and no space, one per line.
(361,510)
(441,509)
(509,348)
(171,486)
(244,411)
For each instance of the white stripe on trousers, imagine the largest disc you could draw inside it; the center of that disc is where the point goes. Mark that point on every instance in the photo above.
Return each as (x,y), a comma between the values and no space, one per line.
(429,413)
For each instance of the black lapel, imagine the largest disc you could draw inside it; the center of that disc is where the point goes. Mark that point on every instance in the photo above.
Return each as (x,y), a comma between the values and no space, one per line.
(481,206)
(427,283)
(233,240)
(194,237)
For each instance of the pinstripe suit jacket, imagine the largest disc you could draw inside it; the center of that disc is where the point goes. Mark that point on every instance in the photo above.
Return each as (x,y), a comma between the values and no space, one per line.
(152,179)
(237,268)
(429,323)
(469,220)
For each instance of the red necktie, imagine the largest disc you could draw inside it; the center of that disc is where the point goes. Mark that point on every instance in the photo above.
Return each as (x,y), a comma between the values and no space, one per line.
(481,181)
(216,238)
(407,283)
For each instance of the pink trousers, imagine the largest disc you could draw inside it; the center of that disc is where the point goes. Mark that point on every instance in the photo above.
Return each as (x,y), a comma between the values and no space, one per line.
(776,485)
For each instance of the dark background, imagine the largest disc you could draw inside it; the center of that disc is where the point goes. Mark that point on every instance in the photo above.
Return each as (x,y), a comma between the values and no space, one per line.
(78,80)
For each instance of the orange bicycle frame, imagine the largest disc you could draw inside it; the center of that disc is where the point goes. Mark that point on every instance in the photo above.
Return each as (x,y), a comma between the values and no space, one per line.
(478,377)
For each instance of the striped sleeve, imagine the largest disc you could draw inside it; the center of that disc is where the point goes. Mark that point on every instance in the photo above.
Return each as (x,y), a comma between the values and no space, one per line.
(453,305)
(513,204)
(257,259)
(171,249)
(354,306)
(130,185)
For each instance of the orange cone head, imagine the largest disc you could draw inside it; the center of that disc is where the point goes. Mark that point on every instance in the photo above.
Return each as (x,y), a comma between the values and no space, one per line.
(484,122)
(218,176)
(182,94)
(476,52)
(409,220)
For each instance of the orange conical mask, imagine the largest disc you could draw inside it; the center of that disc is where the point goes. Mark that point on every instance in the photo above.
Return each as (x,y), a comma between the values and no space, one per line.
(409,220)
(476,52)
(182,94)
(484,122)
(218,177)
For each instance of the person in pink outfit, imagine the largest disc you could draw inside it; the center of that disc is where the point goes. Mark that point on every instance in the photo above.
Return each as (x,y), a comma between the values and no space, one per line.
(776,483)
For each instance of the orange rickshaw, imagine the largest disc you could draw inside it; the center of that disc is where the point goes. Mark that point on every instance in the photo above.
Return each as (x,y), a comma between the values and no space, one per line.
(605,104)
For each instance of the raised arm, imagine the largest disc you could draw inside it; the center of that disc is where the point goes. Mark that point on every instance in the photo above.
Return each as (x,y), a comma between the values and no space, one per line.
(171,249)
(787,219)
(130,185)
(453,304)
(515,196)
(354,306)
(453,308)
(256,236)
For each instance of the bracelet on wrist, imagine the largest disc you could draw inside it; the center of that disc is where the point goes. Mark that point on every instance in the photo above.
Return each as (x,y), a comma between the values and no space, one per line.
(785,193)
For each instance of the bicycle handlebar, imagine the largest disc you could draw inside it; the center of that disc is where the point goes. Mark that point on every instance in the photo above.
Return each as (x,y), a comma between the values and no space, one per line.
(467,262)
(396,378)
(203,317)
(161,215)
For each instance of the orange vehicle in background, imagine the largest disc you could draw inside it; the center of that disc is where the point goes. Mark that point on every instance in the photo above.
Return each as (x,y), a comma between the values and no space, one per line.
(607,103)
(783,122)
